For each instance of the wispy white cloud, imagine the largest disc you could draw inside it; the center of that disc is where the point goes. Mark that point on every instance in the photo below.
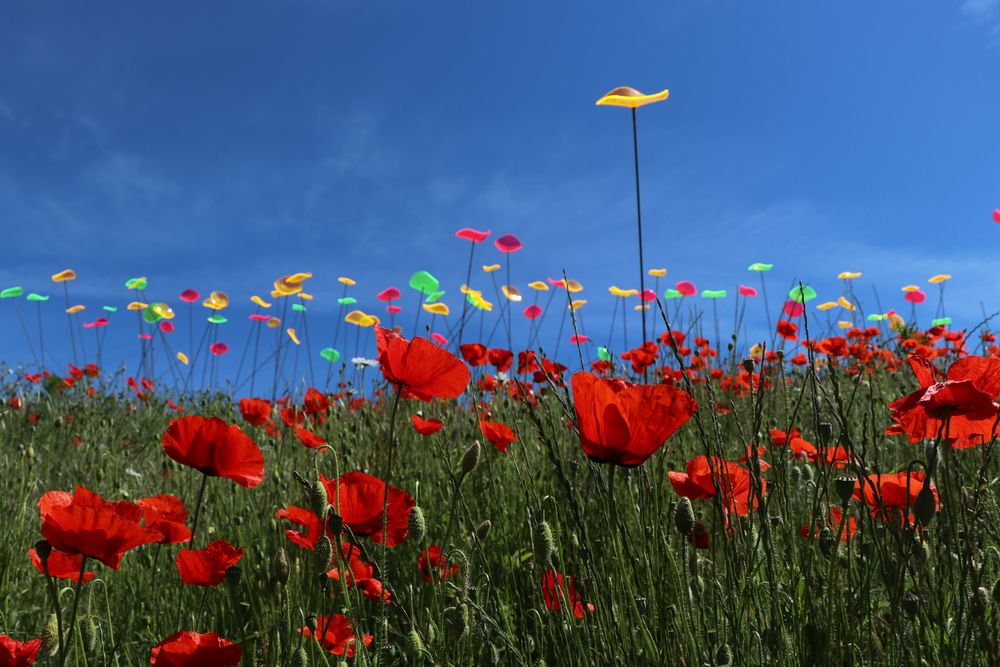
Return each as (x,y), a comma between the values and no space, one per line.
(979,9)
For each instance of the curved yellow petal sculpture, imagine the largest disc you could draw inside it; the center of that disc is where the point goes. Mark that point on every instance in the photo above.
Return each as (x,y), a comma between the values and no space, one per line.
(657,273)
(273,323)
(437,308)
(844,303)
(260,302)
(623,96)
(849,275)
(490,268)
(539,285)
(75,309)
(137,305)
(291,334)
(183,358)
(910,288)
(578,304)
(939,278)
(827,305)
(64,276)
(511,292)
(347,281)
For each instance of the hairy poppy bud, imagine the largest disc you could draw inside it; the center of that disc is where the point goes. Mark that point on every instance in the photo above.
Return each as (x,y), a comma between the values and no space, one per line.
(981,600)
(311,623)
(323,554)
(88,632)
(50,635)
(924,506)
(418,525)
(456,621)
(795,474)
(416,644)
(724,656)
(279,567)
(825,432)
(808,474)
(471,458)
(827,541)
(683,516)
(544,541)
(483,530)
(318,499)
(844,486)
(911,603)
(300,658)
(748,365)
(334,522)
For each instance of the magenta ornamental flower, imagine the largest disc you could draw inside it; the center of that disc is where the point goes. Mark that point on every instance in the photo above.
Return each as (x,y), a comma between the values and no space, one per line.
(532,311)
(508,243)
(190,295)
(686,288)
(388,294)
(746,290)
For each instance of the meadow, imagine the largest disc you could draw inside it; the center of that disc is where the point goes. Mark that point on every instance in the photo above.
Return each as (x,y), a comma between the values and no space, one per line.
(830,501)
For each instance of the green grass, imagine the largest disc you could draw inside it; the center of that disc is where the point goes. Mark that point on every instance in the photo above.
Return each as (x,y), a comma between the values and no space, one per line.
(760,594)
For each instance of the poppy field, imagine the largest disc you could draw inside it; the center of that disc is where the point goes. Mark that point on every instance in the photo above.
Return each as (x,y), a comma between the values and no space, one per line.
(823,497)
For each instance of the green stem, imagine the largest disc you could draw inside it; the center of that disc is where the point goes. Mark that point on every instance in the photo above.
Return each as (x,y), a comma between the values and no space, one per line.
(385,519)
(64,645)
(197,508)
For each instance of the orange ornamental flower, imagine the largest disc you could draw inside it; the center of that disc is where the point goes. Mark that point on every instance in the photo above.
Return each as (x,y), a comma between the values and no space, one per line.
(420,368)
(624,423)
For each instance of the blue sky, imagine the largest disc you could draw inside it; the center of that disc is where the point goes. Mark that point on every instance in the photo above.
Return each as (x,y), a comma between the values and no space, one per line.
(221,145)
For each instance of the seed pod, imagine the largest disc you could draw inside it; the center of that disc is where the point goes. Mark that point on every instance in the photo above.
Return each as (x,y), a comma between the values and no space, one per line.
(844,486)
(44,550)
(311,623)
(825,432)
(483,530)
(924,507)
(683,516)
(471,458)
(808,474)
(323,554)
(544,541)
(748,365)
(418,524)
(279,567)
(724,656)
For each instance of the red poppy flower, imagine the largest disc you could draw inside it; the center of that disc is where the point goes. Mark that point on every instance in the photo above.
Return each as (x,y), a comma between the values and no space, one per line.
(315,402)
(500,435)
(732,479)
(527,362)
(18,654)
(834,521)
(500,359)
(308,438)
(215,448)
(207,567)
(893,492)
(474,354)
(60,566)
(787,330)
(191,649)
(559,591)
(624,423)
(420,367)
(426,426)
(166,514)
(302,517)
(360,574)
(358,499)
(965,400)
(431,561)
(87,525)
(335,635)
(255,411)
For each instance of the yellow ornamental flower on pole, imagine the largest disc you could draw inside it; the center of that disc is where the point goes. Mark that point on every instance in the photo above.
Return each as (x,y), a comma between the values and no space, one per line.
(632,99)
